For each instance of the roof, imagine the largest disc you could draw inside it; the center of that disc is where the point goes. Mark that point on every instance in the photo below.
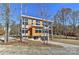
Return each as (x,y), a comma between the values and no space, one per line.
(36,18)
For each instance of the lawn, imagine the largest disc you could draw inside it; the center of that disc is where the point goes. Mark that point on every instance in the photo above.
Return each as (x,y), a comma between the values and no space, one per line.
(63,37)
(68,41)
(29,43)
(27,47)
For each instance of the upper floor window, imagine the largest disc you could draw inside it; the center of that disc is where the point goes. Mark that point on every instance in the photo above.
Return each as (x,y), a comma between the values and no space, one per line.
(50,27)
(32,22)
(37,22)
(25,21)
(45,24)
(50,24)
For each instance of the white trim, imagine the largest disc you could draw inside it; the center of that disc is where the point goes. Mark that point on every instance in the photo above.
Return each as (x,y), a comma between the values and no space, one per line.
(23,26)
(35,18)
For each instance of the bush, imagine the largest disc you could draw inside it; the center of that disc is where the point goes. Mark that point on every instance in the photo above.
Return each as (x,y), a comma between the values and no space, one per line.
(70,34)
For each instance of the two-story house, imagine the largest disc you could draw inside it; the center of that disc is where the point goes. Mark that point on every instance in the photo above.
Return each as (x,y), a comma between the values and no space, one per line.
(35,28)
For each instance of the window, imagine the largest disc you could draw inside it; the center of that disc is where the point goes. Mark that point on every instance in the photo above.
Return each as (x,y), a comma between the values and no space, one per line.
(38,30)
(49,26)
(24,31)
(45,31)
(37,22)
(45,24)
(32,22)
(25,21)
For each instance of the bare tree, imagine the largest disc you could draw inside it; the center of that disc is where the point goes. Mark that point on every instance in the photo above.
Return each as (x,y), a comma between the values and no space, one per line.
(61,19)
(75,17)
(43,14)
(7,23)
(20,22)
(65,12)
(25,11)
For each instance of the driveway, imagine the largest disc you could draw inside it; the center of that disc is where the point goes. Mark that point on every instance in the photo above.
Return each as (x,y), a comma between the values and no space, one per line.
(69,49)
(3,38)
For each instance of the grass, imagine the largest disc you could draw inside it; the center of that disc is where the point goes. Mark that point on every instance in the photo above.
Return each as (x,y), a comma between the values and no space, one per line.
(30,48)
(63,37)
(69,40)
(29,43)
(27,48)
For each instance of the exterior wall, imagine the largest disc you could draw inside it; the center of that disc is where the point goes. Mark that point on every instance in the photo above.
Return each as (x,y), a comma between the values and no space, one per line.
(34,27)
(29,23)
(34,22)
(41,23)
(34,33)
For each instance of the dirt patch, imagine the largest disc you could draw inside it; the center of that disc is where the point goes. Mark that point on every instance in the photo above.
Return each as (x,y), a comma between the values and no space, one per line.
(29,43)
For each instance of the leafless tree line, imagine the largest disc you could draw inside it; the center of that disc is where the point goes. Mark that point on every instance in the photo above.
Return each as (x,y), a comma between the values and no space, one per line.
(66,22)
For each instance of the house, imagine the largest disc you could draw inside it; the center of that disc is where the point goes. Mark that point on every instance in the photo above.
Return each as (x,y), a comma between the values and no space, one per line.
(35,28)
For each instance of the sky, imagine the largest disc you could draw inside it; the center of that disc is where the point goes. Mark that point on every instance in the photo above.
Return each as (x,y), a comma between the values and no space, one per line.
(31,9)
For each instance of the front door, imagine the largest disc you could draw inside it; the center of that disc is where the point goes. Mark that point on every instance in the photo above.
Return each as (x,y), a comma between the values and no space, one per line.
(31,32)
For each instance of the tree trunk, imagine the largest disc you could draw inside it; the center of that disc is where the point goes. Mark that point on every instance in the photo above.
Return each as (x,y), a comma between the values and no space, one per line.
(7,23)
(20,24)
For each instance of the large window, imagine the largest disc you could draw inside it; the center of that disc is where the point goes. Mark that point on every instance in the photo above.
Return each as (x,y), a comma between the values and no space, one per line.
(25,23)
(38,30)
